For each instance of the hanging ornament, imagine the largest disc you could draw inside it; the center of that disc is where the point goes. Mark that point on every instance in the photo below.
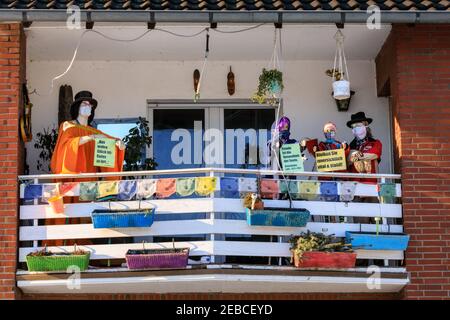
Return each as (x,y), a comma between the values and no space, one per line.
(230,82)
(339,73)
(200,77)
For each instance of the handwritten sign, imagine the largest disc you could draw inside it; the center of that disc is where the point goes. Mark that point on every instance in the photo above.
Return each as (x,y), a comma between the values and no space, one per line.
(331,160)
(105,152)
(291,158)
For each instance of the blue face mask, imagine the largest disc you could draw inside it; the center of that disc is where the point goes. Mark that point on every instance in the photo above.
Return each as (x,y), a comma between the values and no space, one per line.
(284,135)
(330,136)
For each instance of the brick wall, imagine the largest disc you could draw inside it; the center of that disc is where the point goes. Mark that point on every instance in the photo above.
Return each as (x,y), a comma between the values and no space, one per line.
(415,64)
(12,70)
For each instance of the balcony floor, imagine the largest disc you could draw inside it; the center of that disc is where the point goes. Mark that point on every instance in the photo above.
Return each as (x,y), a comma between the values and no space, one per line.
(217,279)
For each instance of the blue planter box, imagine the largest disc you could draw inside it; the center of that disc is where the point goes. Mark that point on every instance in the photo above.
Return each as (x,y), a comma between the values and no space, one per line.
(140,218)
(278,217)
(382,241)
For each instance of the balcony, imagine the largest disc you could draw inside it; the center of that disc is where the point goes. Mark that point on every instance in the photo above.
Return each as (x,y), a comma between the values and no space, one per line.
(243,258)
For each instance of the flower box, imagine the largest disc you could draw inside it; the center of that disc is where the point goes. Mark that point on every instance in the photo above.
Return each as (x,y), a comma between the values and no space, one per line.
(321,259)
(157,258)
(124,218)
(57,262)
(278,217)
(382,241)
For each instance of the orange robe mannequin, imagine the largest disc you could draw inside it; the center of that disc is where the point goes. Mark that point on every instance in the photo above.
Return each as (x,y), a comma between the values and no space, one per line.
(70,157)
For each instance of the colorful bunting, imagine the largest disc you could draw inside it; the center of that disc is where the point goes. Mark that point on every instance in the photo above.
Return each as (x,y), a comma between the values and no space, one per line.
(248,185)
(127,190)
(387,192)
(165,187)
(229,187)
(347,189)
(70,189)
(185,186)
(308,189)
(269,188)
(204,186)
(49,190)
(88,191)
(146,188)
(32,191)
(328,191)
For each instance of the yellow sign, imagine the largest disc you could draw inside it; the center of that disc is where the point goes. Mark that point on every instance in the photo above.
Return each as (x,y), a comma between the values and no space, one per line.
(331,160)
(105,152)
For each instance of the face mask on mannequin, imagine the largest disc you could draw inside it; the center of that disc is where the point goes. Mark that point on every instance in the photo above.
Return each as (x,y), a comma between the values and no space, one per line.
(330,135)
(85,110)
(284,135)
(360,132)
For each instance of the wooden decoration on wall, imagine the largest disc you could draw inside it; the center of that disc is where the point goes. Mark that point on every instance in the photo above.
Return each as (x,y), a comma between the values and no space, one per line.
(230,82)
(196,79)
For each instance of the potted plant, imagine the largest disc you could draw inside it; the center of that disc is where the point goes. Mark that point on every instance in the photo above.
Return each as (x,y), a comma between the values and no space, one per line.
(316,250)
(342,104)
(270,85)
(44,260)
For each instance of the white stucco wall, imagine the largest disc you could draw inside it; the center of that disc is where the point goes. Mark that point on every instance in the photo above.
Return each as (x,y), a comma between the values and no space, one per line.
(122,88)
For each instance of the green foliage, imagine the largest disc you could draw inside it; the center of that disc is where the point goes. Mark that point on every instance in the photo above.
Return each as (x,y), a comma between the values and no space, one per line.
(45,142)
(335,74)
(136,141)
(311,241)
(267,80)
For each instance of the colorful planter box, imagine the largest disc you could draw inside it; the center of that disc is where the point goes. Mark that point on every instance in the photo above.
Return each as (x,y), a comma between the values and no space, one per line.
(319,259)
(57,262)
(382,241)
(157,258)
(278,217)
(137,218)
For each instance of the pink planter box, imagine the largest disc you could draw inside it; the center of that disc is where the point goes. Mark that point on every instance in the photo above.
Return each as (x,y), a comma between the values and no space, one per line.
(319,259)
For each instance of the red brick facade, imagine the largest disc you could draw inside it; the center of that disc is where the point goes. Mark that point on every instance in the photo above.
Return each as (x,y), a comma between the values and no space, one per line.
(414,69)
(12,71)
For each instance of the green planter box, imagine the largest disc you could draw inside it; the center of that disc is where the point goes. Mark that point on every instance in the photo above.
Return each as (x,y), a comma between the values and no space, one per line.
(57,262)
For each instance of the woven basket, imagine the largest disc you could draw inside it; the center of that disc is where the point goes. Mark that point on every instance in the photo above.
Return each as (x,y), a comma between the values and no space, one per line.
(279,217)
(157,258)
(123,218)
(57,262)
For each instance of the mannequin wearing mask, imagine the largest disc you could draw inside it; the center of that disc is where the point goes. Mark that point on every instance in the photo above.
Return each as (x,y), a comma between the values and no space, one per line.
(365,153)
(330,143)
(74,151)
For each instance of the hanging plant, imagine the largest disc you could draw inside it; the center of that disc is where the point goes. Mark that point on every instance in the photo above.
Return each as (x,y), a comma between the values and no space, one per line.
(269,87)
(311,241)
(341,82)
(336,75)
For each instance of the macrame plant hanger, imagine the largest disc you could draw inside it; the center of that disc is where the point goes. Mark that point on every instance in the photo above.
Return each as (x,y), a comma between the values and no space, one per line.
(341,86)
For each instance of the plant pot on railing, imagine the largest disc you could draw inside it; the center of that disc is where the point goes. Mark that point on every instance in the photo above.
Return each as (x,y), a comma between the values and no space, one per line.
(318,259)
(157,258)
(380,241)
(316,250)
(278,217)
(123,218)
(47,261)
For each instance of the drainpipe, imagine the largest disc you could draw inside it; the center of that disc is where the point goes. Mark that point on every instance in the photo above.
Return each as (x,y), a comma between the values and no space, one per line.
(23,15)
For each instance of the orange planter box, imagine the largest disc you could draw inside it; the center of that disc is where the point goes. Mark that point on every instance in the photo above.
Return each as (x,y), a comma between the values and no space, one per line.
(319,259)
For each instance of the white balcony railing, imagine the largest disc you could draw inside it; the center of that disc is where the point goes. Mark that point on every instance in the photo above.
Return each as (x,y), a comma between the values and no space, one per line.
(214,234)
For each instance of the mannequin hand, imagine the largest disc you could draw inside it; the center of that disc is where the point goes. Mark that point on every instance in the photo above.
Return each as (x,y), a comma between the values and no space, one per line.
(315,148)
(120,144)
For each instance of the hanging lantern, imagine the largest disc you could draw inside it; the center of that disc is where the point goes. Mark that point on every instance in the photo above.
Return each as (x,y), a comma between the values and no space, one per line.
(341,83)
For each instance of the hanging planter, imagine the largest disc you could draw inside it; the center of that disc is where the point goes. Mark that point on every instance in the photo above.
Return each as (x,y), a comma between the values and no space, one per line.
(278,217)
(157,258)
(339,73)
(44,260)
(378,241)
(344,104)
(123,218)
(270,87)
(316,250)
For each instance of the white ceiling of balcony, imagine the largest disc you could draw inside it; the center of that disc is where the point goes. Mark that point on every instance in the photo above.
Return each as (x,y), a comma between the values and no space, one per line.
(300,42)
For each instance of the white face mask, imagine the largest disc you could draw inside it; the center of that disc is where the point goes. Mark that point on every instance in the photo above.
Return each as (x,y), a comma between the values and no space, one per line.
(360,132)
(85,110)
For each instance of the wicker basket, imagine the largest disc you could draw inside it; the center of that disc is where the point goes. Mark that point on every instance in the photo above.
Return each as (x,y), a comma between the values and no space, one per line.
(58,261)
(279,217)
(157,258)
(123,218)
